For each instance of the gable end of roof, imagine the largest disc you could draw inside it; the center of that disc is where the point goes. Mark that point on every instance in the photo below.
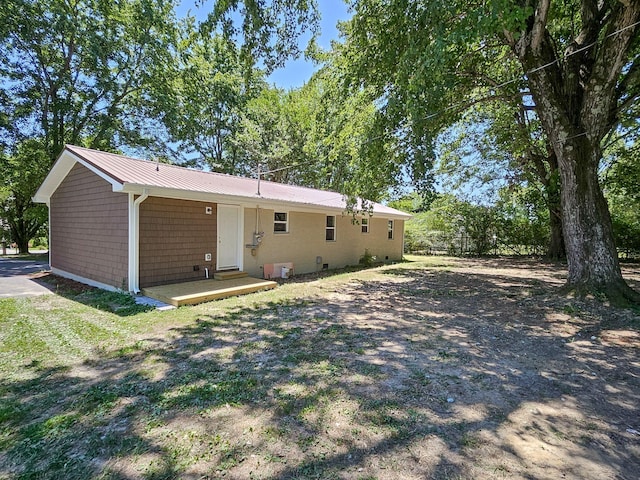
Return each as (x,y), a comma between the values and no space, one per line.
(61,168)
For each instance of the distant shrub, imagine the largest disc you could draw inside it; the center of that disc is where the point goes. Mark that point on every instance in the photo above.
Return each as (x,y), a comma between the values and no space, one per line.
(367,259)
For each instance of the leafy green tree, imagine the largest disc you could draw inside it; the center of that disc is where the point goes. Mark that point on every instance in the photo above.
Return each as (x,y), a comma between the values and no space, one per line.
(353,152)
(434,230)
(478,224)
(409,202)
(278,134)
(459,226)
(314,136)
(271,137)
(622,188)
(336,132)
(626,224)
(522,220)
(77,72)
(21,175)
(500,144)
(205,106)
(517,223)
(268,29)
(577,63)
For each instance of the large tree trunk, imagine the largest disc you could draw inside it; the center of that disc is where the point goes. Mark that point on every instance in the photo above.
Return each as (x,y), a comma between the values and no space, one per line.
(592,258)
(591,253)
(20,234)
(23,246)
(576,94)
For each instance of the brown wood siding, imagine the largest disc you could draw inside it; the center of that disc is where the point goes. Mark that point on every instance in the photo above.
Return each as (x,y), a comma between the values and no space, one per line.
(175,235)
(89,228)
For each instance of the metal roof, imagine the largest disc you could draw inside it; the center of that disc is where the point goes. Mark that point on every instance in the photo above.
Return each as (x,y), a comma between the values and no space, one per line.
(131,172)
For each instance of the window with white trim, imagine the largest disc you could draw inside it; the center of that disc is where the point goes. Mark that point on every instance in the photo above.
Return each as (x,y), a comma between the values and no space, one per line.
(330,228)
(390,229)
(280,222)
(364,225)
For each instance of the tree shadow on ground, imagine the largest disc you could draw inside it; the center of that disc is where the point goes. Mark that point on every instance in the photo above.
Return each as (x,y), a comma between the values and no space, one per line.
(417,374)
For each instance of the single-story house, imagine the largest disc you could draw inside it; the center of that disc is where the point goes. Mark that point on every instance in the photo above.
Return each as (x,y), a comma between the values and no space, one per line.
(122,223)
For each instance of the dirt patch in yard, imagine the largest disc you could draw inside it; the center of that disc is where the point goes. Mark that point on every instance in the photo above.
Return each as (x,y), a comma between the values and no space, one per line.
(62,285)
(447,369)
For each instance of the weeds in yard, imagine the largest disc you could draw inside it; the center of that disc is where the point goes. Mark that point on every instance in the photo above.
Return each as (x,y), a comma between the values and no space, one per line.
(119,303)
(470,440)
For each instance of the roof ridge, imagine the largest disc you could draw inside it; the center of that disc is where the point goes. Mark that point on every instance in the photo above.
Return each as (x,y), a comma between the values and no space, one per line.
(68,145)
(137,173)
(135,159)
(204,171)
(304,187)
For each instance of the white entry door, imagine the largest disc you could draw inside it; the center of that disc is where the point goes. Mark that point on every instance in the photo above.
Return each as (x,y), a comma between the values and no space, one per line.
(229,235)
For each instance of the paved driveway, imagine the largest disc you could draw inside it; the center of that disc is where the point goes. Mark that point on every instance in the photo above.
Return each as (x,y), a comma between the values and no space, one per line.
(15,281)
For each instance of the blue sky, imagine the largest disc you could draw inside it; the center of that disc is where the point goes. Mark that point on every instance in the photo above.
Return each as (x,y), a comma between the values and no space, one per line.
(297,71)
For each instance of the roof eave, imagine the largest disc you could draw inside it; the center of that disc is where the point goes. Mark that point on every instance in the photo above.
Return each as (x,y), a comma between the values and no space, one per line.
(246,201)
(68,158)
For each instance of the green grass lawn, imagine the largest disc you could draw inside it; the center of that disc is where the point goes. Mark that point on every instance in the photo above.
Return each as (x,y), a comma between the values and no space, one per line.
(89,379)
(39,257)
(62,330)
(356,375)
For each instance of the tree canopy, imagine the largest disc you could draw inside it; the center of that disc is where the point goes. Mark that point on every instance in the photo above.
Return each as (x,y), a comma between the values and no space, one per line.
(547,89)
(573,63)
(21,173)
(206,101)
(79,73)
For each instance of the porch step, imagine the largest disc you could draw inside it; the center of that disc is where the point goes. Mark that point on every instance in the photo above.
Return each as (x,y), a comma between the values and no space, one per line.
(228,275)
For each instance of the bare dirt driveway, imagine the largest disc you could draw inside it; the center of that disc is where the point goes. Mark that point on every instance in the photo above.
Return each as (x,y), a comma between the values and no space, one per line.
(16,279)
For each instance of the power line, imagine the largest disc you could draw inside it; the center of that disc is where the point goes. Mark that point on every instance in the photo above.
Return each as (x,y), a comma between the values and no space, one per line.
(586,47)
(537,69)
(504,84)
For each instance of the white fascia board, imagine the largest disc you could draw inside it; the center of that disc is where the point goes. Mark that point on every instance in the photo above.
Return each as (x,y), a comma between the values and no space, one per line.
(393,216)
(54,178)
(247,202)
(132,272)
(134,240)
(61,169)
